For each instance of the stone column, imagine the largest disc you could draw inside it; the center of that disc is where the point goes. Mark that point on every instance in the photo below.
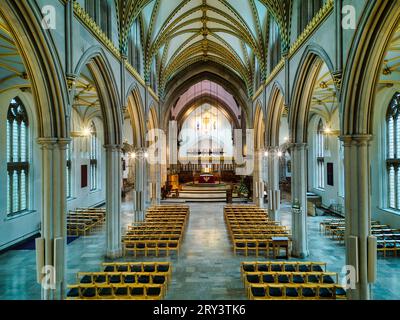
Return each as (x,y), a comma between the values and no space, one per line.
(113,201)
(140,183)
(299,198)
(53,227)
(358,211)
(157,195)
(258,183)
(274,195)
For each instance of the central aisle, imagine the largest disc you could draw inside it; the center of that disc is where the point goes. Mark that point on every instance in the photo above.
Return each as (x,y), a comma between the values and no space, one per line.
(206,268)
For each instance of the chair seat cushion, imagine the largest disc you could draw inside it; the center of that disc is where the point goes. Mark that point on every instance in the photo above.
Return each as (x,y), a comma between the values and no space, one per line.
(276,267)
(268,278)
(163,268)
(105,292)
(73,293)
(86,279)
(292,292)
(317,268)
(143,279)
(159,279)
(249,268)
(130,279)
(253,278)
(136,268)
(153,291)
(109,269)
(122,291)
(325,293)
(313,279)
(304,268)
(275,292)
(122,268)
(138,291)
(258,292)
(298,279)
(100,279)
(308,292)
(89,293)
(328,279)
(262,267)
(149,268)
(290,268)
(115,279)
(283,279)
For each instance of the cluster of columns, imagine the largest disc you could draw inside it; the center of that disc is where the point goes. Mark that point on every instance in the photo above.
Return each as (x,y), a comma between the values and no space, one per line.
(360,244)
(52,246)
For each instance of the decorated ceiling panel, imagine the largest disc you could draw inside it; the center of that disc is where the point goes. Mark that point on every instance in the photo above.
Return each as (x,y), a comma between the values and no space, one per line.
(12,69)
(177,33)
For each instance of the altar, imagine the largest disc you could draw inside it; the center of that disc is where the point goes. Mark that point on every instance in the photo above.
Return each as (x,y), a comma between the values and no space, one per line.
(207,178)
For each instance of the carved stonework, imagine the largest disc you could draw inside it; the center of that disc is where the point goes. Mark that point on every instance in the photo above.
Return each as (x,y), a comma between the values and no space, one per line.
(337,79)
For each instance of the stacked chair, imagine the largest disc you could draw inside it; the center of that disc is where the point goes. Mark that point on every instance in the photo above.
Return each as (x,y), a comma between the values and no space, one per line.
(290,281)
(160,234)
(388,238)
(251,231)
(81,221)
(123,281)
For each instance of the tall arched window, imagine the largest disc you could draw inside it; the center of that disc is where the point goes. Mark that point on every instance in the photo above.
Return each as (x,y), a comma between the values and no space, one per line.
(93,157)
(17,158)
(393,152)
(320,146)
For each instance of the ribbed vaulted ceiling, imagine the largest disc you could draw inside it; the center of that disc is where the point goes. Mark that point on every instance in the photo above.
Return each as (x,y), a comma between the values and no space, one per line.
(178,33)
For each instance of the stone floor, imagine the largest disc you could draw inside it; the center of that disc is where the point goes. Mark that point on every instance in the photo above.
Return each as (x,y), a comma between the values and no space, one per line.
(205,269)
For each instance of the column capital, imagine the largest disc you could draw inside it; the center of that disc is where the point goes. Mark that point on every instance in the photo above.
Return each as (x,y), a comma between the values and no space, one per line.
(48,143)
(63,142)
(298,145)
(113,147)
(358,139)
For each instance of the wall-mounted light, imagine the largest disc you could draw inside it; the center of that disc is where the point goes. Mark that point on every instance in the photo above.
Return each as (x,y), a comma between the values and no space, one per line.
(279,154)
(86,132)
(329,131)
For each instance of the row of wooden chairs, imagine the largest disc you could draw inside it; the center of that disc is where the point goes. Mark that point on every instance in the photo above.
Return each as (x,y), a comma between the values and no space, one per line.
(84,220)
(290,277)
(285,266)
(116,292)
(123,281)
(252,232)
(137,267)
(160,278)
(290,280)
(388,239)
(296,292)
(160,234)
